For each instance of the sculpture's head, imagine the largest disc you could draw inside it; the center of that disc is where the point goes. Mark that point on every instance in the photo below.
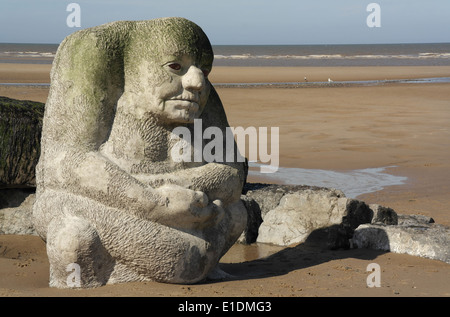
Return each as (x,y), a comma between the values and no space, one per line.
(167,63)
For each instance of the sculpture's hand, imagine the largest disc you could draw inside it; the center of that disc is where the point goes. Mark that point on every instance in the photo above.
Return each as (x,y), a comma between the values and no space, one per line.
(186,208)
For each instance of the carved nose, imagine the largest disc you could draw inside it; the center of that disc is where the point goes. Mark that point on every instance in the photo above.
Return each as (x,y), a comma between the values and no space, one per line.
(193,79)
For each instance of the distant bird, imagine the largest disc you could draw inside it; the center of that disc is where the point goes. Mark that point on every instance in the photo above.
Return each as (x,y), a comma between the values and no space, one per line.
(306,79)
(329,80)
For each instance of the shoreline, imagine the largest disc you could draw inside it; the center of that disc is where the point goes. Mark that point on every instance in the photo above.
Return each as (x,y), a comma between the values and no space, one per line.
(250,74)
(40,73)
(353,183)
(321,84)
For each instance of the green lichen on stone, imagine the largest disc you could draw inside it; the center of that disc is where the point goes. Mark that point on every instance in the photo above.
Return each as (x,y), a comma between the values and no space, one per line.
(87,79)
(168,35)
(155,39)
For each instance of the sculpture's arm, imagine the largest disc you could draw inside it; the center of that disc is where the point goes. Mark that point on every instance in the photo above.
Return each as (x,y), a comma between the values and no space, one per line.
(218,181)
(91,175)
(95,177)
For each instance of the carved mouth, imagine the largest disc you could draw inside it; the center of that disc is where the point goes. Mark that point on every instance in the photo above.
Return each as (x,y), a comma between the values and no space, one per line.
(185,104)
(185,100)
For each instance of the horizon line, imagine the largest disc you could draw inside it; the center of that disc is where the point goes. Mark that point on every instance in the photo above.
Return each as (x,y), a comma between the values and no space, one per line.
(304,44)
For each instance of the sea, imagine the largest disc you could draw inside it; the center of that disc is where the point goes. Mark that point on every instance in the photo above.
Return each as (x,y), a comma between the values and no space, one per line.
(434,54)
(353,183)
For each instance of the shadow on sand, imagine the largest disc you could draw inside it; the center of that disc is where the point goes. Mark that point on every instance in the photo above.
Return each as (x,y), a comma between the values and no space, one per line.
(312,252)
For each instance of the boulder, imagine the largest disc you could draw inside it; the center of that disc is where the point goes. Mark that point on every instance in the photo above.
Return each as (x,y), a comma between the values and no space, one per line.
(293,214)
(20,136)
(414,235)
(300,214)
(383,214)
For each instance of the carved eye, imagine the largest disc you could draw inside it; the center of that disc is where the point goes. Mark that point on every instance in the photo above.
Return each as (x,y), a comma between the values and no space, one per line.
(175,66)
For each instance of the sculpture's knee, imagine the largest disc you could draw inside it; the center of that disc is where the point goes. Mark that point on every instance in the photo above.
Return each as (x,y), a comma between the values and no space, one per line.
(76,255)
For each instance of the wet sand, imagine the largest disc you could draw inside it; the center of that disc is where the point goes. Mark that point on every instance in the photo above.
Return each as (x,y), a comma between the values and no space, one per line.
(321,74)
(331,128)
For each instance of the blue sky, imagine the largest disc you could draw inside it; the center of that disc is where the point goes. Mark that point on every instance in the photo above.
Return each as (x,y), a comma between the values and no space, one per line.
(241,22)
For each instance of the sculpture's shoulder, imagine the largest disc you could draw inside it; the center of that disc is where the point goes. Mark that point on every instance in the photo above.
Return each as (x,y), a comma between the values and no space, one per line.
(85,51)
(86,82)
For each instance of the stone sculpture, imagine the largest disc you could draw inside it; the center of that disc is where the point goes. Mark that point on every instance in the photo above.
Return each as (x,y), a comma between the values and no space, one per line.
(109,197)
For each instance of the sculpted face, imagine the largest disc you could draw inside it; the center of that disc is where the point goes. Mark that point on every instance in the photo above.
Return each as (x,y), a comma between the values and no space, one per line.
(183,97)
(171,74)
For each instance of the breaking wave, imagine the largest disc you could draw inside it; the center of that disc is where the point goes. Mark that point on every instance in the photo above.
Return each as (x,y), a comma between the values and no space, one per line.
(353,183)
(336,56)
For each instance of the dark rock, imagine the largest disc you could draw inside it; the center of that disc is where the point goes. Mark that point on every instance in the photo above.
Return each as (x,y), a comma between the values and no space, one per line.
(384,215)
(14,197)
(20,137)
(18,219)
(254,220)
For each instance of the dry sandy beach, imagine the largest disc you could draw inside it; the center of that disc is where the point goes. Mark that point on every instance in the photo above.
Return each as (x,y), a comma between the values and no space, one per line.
(406,125)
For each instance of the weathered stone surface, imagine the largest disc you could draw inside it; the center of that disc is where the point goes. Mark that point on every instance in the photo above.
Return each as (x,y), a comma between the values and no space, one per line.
(414,220)
(18,219)
(298,214)
(20,136)
(418,238)
(268,196)
(111,195)
(304,211)
(292,213)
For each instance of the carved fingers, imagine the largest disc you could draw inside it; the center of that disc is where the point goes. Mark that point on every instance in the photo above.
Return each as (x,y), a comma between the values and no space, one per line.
(186,208)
